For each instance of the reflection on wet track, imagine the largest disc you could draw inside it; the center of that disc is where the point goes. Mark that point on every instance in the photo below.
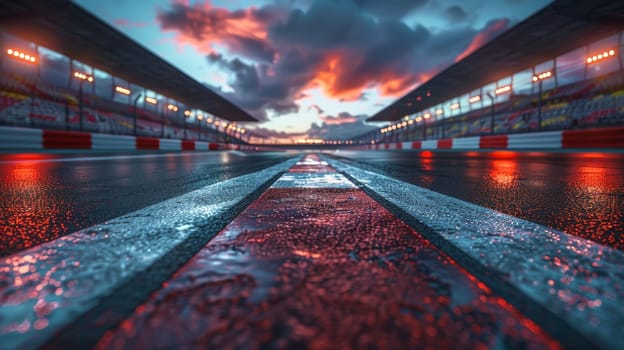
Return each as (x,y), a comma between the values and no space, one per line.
(578,193)
(45,196)
(321,265)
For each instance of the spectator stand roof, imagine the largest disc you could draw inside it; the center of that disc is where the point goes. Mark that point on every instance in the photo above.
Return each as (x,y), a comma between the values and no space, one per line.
(65,27)
(559,27)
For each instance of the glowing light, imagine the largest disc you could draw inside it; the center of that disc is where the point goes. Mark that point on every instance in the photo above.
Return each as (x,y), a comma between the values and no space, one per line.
(404,124)
(600,56)
(474,99)
(122,90)
(455,106)
(199,117)
(439,111)
(29,58)
(83,76)
(418,119)
(187,113)
(542,76)
(503,89)
(410,122)
(427,115)
(172,107)
(151,100)
(209,120)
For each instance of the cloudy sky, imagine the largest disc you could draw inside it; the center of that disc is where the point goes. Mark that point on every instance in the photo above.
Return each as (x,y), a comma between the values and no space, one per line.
(312,68)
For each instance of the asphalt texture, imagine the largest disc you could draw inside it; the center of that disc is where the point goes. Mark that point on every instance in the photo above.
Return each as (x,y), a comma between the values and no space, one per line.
(316,263)
(44,196)
(578,193)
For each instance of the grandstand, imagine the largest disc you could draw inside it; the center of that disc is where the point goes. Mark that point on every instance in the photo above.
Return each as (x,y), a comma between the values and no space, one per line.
(560,69)
(73,81)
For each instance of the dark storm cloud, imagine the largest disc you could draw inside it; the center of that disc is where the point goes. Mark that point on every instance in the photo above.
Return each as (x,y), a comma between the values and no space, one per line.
(242,30)
(340,127)
(390,8)
(254,90)
(456,13)
(341,46)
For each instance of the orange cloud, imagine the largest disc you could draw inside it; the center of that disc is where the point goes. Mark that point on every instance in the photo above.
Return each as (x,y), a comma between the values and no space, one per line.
(343,118)
(483,37)
(203,25)
(337,79)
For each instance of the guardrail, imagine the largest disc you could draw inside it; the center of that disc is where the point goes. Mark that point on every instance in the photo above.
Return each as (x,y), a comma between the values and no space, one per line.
(611,138)
(16,138)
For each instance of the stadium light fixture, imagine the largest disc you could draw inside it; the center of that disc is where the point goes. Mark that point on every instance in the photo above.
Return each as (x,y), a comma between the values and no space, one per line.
(23,56)
(455,105)
(439,111)
(209,120)
(410,122)
(542,76)
(418,119)
(84,77)
(474,99)
(404,124)
(600,56)
(200,117)
(427,115)
(216,123)
(151,100)
(122,90)
(172,107)
(187,113)
(503,89)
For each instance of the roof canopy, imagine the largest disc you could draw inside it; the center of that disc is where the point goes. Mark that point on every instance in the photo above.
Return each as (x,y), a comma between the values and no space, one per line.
(65,27)
(560,27)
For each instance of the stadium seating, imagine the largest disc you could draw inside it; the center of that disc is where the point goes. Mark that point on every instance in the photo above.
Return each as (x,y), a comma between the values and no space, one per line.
(597,102)
(40,105)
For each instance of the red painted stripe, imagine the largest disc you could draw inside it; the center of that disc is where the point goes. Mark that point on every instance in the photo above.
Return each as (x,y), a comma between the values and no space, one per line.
(399,145)
(445,143)
(319,268)
(596,138)
(147,143)
(213,146)
(416,145)
(387,146)
(497,142)
(188,145)
(53,139)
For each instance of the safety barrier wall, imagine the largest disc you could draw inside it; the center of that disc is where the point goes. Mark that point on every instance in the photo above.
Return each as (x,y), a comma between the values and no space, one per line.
(17,138)
(612,138)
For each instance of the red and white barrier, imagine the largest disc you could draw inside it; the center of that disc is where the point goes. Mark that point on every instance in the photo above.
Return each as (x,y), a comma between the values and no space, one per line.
(567,139)
(15,138)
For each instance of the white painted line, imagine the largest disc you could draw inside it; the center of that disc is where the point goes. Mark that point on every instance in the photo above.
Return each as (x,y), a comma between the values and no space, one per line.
(49,286)
(538,140)
(313,180)
(429,144)
(466,143)
(578,280)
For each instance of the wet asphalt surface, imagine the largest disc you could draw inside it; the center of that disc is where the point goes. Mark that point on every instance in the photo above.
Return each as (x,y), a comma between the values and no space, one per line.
(578,193)
(45,196)
(317,264)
